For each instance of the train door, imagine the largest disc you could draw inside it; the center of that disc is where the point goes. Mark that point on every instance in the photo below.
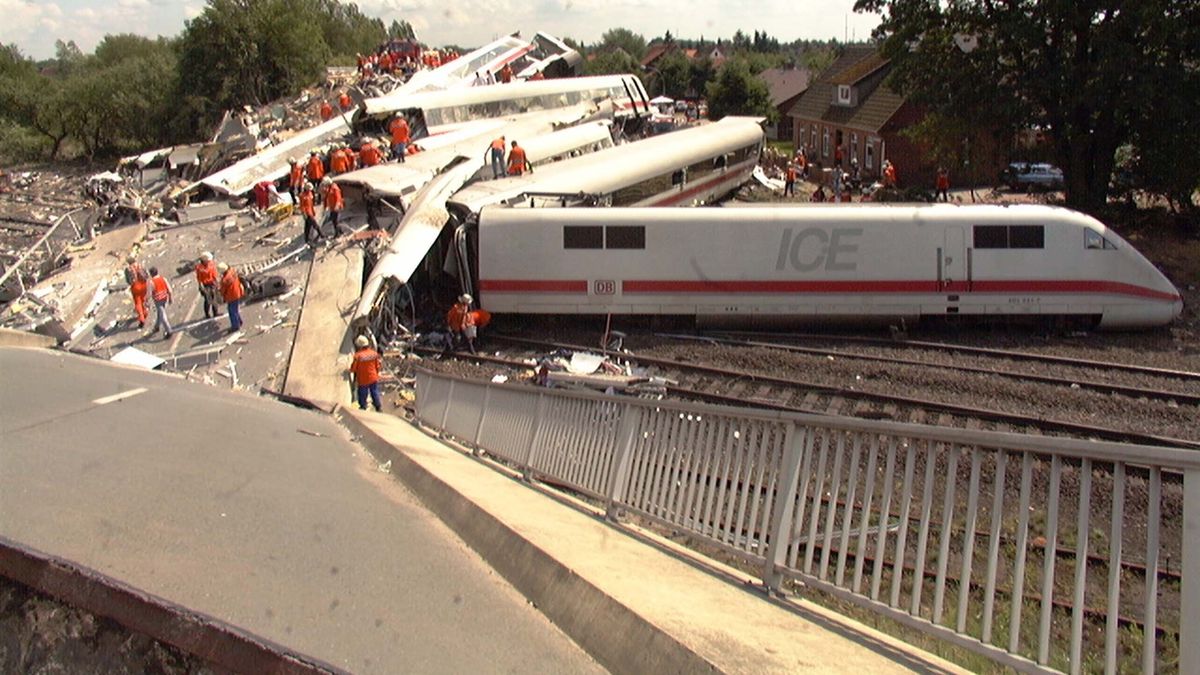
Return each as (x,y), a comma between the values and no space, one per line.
(952,272)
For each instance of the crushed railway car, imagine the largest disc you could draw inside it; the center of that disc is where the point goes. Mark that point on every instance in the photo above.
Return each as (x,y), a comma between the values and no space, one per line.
(761,265)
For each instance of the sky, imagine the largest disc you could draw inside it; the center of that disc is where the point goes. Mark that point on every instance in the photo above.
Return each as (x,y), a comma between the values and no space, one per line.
(34,25)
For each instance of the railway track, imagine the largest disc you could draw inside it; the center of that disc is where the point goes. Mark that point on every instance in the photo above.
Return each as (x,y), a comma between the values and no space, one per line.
(1179,397)
(741,388)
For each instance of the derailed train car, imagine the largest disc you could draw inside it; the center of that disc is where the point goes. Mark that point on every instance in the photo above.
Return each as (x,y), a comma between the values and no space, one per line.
(819,263)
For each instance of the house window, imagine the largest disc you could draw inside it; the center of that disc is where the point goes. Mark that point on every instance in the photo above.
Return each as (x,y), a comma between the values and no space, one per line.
(825,143)
(853,145)
(812,143)
(843,94)
(870,162)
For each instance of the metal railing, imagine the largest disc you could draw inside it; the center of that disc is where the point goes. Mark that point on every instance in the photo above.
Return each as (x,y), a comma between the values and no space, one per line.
(1039,553)
(41,259)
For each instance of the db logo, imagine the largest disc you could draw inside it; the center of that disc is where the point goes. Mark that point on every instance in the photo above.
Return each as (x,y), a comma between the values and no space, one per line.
(604,287)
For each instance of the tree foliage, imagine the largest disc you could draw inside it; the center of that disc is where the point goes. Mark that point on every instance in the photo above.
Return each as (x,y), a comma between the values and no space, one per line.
(1094,75)
(737,91)
(628,41)
(612,62)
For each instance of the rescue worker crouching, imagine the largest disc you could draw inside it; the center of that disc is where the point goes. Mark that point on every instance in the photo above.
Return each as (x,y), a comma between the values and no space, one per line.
(462,323)
(365,371)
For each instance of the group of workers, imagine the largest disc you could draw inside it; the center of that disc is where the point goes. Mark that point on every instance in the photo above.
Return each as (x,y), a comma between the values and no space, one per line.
(216,283)
(518,161)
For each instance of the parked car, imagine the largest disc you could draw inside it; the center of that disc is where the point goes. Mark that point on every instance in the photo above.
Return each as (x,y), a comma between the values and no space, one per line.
(1028,177)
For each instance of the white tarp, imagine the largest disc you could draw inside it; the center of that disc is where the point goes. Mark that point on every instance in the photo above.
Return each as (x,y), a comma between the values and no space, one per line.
(132,356)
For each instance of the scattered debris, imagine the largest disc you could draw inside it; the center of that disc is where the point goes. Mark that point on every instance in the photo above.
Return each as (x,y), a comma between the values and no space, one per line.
(312,433)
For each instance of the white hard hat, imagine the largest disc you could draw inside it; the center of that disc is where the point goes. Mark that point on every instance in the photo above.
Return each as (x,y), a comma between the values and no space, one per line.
(206,256)
(361,341)
(291,160)
(465,298)
(222,266)
(130,258)
(326,181)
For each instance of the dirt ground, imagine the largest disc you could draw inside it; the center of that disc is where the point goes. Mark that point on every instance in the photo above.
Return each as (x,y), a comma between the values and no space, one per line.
(38,634)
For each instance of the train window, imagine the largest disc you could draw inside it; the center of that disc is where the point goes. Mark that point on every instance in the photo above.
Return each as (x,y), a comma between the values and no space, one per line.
(583,236)
(625,236)
(991,236)
(1026,236)
(677,177)
(1010,236)
(721,162)
(1095,240)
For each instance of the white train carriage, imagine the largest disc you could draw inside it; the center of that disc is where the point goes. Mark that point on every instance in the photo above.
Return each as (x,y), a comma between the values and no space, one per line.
(434,112)
(818,263)
(692,166)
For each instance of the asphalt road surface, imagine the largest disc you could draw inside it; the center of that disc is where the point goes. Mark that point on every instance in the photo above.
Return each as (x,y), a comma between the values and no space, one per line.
(219,502)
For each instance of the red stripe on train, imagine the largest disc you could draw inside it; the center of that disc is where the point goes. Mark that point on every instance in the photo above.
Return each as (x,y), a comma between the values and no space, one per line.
(831,287)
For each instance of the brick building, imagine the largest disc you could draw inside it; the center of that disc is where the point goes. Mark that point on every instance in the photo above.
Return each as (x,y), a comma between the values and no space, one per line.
(848,106)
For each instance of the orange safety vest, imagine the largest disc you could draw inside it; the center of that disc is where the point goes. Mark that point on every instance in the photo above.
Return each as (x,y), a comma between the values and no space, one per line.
(344,101)
(498,144)
(943,181)
(369,154)
(296,176)
(206,273)
(365,367)
(306,204)
(791,173)
(231,286)
(162,290)
(399,129)
(516,161)
(326,111)
(459,317)
(316,168)
(337,161)
(333,198)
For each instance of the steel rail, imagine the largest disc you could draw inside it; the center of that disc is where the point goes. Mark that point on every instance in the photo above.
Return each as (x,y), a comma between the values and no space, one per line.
(1100,387)
(1106,433)
(982,351)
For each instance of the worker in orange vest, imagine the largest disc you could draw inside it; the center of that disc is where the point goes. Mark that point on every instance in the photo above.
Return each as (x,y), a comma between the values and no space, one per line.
(889,174)
(496,151)
(326,111)
(206,279)
(232,293)
(943,185)
(369,155)
(789,185)
(295,179)
(309,211)
(160,290)
(344,101)
(337,161)
(365,370)
(400,137)
(506,74)
(316,167)
(333,203)
(136,276)
(518,163)
(462,323)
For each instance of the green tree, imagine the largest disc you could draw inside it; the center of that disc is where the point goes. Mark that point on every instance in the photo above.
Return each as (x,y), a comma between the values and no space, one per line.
(736,91)
(1090,73)
(612,63)
(30,103)
(674,74)
(700,73)
(630,42)
(402,30)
